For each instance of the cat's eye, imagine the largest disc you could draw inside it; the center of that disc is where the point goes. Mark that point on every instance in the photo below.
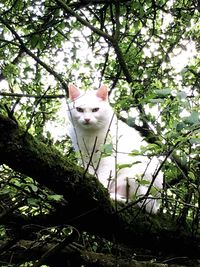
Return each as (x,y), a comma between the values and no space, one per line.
(80,109)
(95,109)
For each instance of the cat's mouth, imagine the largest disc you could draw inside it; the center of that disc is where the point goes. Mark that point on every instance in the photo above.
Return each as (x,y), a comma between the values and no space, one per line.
(87,123)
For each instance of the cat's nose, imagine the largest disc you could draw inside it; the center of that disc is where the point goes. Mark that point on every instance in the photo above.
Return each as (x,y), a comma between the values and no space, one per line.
(87,120)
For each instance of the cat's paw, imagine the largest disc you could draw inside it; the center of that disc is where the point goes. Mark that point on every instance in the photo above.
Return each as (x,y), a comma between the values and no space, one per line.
(152,206)
(118,197)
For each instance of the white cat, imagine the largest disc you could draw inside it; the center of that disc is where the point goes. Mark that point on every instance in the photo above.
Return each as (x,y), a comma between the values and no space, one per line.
(104,144)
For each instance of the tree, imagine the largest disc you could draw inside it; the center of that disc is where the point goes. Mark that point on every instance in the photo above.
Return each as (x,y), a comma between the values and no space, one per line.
(50,208)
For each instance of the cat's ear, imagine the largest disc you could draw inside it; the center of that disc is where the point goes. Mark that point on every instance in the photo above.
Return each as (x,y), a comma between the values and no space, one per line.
(102,92)
(74,92)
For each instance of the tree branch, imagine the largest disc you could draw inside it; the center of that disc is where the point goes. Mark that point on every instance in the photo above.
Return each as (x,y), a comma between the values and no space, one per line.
(31,96)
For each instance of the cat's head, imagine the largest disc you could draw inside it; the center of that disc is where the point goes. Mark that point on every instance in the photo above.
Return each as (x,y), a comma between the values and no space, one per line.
(89,109)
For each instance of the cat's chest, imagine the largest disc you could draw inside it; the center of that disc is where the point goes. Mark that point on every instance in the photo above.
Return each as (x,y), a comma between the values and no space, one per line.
(90,142)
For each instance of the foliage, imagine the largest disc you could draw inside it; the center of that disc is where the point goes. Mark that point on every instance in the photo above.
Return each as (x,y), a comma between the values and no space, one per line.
(146,51)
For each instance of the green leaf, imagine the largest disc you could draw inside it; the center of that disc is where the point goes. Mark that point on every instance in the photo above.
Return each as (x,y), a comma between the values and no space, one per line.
(181,95)
(135,153)
(180,126)
(33,202)
(55,197)
(122,166)
(192,119)
(192,176)
(130,121)
(106,149)
(67,230)
(162,92)
(143,182)
(156,101)
(194,141)
(138,25)
(33,187)
(153,191)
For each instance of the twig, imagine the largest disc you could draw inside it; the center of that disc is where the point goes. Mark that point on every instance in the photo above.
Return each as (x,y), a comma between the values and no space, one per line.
(31,96)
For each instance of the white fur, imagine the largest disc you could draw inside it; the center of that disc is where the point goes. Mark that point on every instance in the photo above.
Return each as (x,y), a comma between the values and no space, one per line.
(90,130)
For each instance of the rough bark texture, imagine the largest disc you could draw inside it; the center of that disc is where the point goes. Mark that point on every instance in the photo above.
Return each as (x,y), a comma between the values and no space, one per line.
(87,205)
